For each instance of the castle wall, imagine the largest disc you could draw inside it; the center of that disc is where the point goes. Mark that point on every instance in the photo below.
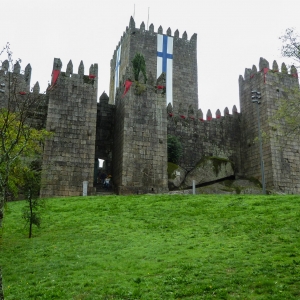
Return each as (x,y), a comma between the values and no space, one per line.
(138,40)
(140,142)
(219,137)
(280,153)
(69,156)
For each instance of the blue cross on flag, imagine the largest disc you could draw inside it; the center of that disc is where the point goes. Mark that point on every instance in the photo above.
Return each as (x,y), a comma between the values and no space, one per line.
(165,63)
(117,70)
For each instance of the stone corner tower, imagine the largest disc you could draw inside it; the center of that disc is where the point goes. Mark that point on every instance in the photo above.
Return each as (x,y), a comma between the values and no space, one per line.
(69,155)
(280,152)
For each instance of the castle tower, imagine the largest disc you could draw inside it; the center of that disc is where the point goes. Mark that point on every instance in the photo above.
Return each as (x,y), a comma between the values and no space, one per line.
(280,152)
(69,156)
(140,140)
(174,55)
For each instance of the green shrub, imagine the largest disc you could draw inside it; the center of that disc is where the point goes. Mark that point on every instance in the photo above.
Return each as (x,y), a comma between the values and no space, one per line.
(139,65)
(174,149)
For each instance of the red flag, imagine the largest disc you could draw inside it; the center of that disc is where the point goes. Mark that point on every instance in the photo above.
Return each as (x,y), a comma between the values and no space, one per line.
(127,85)
(55,75)
(265,70)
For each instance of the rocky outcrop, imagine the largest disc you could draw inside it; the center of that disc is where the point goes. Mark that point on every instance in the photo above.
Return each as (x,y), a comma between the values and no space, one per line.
(176,176)
(209,169)
(229,187)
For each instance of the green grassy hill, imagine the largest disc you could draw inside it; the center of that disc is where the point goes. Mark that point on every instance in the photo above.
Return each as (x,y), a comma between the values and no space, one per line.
(155,247)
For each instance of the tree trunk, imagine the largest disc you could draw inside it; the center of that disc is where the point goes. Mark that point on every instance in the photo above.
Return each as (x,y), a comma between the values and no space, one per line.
(30,219)
(1,287)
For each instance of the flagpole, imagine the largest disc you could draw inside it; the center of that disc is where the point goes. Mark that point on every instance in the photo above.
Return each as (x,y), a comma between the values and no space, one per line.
(148,20)
(133,11)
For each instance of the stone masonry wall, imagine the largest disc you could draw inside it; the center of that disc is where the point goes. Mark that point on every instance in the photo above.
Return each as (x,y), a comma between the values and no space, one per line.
(140,160)
(139,40)
(69,155)
(218,137)
(280,153)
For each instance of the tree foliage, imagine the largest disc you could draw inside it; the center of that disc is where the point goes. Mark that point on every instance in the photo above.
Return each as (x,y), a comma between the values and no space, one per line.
(20,142)
(174,149)
(287,117)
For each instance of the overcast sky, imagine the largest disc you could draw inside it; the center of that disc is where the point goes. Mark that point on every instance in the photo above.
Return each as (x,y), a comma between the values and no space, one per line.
(232,36)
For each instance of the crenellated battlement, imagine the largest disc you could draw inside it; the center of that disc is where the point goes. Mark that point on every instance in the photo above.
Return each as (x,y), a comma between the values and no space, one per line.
(58,76)
(16,82)
(188,114)
(264,69)
(22,78)
(132,30)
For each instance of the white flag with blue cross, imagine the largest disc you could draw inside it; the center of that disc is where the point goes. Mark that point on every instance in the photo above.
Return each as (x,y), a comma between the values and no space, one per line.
(117,71)
(165,63)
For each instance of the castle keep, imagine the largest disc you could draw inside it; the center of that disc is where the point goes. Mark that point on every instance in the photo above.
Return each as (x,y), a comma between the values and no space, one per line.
(129,129)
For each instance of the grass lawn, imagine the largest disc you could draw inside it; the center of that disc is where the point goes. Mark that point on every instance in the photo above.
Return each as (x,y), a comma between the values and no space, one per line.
(155,247)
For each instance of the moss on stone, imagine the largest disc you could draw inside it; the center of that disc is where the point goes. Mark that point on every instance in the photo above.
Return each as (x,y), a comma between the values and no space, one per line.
(228,182)
(216,161)
(255,181)
(238,189)
(139,88)
(171,169)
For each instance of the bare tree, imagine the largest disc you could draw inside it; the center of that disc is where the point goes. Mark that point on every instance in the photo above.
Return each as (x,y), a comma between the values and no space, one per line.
(291,45)
(287,116)
(21,140)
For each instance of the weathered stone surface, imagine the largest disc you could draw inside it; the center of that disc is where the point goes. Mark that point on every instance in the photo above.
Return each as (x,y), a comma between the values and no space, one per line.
(229,187)
(210,169)
(176,176)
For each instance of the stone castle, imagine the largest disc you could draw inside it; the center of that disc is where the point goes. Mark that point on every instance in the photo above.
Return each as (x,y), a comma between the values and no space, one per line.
(129,129)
